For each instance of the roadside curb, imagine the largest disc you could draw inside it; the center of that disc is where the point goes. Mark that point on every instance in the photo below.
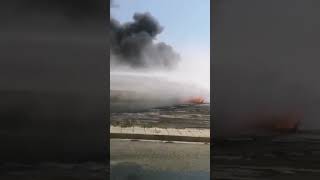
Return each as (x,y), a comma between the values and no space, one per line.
(162,134)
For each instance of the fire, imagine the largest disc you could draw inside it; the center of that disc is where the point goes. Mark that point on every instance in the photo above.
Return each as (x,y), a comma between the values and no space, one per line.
(280,122)
(195,100)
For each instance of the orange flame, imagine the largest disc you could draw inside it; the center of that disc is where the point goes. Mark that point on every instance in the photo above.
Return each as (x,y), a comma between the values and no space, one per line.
(196,100)
(280,122)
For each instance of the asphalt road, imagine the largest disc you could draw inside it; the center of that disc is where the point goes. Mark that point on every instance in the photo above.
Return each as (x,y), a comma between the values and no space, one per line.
(156,160)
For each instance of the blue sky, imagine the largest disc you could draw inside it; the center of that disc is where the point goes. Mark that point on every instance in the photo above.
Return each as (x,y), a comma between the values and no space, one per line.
(186,22)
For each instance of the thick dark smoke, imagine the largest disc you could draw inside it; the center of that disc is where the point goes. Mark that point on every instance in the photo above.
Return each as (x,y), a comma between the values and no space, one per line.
(266,59)
(133,44)
(53,67)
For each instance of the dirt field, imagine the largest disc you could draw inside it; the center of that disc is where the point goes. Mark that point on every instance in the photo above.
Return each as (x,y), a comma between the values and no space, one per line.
(180,116)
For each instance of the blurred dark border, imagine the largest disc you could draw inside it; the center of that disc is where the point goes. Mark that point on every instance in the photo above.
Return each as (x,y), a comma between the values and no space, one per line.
(54,83)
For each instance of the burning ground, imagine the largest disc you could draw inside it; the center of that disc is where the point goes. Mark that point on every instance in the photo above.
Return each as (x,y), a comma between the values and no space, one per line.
(150,83)
(145,72)
(138,100)
(130,92)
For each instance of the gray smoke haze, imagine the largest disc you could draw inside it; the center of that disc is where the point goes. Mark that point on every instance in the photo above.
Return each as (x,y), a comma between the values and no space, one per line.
(267,59)
(133,44)
(132,91)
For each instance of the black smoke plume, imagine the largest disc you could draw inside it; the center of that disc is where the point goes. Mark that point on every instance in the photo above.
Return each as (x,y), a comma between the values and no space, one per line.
(133,43)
